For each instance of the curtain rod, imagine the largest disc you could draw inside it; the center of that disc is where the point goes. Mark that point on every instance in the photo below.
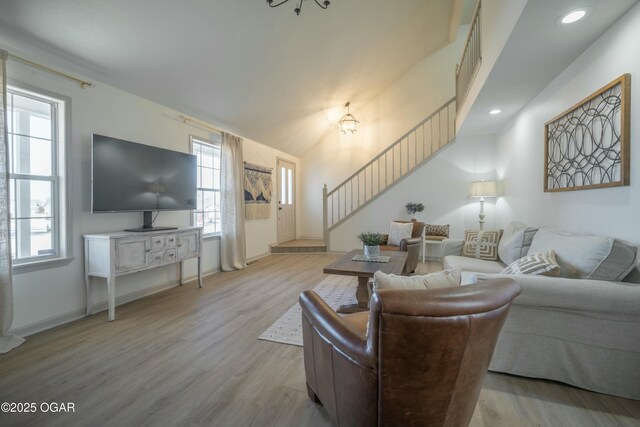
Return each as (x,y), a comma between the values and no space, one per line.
(83,83)
(196,122)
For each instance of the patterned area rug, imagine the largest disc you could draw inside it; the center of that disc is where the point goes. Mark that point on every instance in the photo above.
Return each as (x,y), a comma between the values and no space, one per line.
(335,290)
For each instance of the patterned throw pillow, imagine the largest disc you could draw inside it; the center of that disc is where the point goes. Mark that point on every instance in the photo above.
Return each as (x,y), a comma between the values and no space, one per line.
(481,244)
(399,231)
(543,263)
(436,230)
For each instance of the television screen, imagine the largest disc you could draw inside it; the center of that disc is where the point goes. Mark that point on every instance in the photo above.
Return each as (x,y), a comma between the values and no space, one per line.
(134,177)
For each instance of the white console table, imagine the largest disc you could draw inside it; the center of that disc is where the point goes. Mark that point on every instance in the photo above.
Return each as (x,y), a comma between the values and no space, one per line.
(110,255)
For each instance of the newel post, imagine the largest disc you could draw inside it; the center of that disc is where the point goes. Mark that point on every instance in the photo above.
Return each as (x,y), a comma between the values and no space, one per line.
(325,216)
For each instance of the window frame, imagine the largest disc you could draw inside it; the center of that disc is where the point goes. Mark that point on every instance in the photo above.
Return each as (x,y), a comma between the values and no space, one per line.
(193,139)
(60,178)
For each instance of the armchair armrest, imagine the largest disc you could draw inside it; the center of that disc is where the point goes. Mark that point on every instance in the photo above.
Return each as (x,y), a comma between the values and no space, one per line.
(413,241)
(336,330)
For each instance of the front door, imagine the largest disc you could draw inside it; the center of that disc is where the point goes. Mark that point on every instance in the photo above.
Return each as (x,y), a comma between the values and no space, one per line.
(286,177)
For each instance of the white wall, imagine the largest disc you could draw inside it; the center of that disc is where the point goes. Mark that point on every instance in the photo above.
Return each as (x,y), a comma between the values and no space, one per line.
(420,92)
(57,294)
(442,185)
(611,211)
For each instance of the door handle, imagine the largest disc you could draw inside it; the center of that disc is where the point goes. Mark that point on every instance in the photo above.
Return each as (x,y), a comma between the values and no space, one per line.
(279,209)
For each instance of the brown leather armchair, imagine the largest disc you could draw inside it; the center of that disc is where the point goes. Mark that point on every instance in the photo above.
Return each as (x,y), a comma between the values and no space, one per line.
(411,246)
(421,362)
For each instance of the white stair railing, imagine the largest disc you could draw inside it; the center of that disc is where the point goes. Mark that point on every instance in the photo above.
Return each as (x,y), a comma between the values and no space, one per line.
(471,57)
(385,170)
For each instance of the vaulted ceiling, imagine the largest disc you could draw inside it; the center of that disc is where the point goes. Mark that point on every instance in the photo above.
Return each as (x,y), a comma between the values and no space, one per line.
(261,72)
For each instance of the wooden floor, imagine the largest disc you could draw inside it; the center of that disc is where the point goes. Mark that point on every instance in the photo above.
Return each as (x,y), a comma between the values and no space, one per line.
(191,357)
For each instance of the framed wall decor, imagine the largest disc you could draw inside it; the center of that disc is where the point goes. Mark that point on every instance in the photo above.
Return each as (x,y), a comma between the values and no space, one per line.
(587,146)
(257,191)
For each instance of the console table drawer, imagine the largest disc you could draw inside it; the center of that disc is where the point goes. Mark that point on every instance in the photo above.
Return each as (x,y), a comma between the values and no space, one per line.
(156,258)
(157,242)
(170,241)
(169,256)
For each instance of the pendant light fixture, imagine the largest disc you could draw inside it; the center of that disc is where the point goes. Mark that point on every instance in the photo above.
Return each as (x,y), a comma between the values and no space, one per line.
(324,4)
(348,123)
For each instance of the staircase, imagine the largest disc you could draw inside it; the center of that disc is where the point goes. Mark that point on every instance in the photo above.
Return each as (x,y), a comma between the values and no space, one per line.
(383,172)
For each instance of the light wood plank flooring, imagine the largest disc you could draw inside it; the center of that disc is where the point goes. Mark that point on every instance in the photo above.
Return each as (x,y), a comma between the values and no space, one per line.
(191,357)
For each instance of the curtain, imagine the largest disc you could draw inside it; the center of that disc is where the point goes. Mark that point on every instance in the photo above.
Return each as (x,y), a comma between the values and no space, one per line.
(7,341)
(233,254)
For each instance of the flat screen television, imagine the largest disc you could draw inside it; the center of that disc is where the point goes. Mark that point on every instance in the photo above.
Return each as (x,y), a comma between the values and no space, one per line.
(131,177)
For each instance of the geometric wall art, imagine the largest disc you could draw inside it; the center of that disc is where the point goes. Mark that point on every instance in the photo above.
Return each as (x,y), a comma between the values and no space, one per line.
(257,191)
(587,146)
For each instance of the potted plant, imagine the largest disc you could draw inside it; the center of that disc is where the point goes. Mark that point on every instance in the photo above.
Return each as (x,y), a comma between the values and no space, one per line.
(371,242)
(413,208)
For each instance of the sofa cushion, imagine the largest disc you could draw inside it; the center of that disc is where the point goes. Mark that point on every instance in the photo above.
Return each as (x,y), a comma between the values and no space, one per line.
(472,264)
(481,244)
(439,279)
(598,298)
(515,242)
(543,263)
(585,256)
(399,231)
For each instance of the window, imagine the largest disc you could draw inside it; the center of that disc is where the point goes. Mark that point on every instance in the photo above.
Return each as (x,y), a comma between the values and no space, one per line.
(36,174)
(207,212)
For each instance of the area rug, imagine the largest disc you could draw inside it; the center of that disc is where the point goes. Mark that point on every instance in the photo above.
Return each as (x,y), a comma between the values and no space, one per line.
(334,290)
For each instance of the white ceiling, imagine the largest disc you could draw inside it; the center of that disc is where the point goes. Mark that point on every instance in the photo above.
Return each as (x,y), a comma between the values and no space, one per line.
(263,73)
(537,51)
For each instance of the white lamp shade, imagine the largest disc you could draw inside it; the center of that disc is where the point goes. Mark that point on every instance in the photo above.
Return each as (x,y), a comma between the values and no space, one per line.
(483,189)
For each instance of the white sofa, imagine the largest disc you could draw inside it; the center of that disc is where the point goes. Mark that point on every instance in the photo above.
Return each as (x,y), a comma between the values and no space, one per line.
(581,329)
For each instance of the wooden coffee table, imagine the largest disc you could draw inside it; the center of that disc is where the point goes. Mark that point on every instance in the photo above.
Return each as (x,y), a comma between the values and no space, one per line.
(364,271)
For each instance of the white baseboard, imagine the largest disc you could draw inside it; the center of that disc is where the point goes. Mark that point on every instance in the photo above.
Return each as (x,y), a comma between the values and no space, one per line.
(52,322)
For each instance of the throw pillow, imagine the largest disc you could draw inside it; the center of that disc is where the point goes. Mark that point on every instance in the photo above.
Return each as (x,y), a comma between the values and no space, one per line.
(436,230)
(481,244)
(439,279)
(398,232)
(587,256)
(515,242)
(543,263)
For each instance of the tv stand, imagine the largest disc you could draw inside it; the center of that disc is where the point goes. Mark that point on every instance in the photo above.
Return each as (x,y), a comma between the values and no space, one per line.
(147,224)
(110,255)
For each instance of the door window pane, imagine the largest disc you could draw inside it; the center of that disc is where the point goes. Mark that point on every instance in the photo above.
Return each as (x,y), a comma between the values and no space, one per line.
(283,185)
(290,186)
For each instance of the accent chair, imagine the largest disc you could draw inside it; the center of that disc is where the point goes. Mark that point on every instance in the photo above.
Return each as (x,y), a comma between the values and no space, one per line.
(411,246)
(417,358)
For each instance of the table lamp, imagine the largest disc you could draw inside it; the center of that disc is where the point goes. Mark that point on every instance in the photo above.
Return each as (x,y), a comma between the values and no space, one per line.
(483,189)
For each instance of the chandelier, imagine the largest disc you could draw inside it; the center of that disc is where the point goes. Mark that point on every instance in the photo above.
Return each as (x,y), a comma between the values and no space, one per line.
(348,123)
(324,4)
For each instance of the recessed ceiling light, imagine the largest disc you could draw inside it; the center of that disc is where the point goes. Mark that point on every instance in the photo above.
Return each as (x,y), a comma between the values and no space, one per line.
(494,112)
(573,16)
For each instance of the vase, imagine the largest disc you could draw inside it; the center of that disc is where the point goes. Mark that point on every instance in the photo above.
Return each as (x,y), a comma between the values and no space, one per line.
(371,251)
